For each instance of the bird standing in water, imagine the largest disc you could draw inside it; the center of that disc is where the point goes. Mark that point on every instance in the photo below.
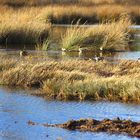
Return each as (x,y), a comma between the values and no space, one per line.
(97,59)
(23,53)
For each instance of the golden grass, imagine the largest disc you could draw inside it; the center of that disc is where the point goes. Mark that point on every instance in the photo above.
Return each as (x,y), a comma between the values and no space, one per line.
(109,36)
(74,79)
(44,2)
(22,26)
(67,14)
(30,24)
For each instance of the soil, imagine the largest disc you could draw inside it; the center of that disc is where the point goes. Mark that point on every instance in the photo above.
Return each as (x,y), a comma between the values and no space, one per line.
(111,126)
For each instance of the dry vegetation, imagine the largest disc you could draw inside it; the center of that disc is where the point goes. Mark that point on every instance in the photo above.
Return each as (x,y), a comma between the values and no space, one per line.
(27,22)
(74,79)
(22,26)
(109,36)
(67,14)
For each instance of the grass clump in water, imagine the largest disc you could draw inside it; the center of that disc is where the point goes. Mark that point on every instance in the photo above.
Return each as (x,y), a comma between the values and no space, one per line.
(110,36)
(65,81)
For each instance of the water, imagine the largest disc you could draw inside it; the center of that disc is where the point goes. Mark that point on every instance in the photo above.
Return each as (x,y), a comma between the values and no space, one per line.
(17,108)
(131,53)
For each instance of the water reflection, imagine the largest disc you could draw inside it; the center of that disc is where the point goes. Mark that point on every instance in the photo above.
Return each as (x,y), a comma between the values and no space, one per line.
(20,108)
(131,52)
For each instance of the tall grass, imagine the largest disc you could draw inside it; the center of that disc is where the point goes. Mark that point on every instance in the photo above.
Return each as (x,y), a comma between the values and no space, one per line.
(22,26)
(67,14)
(44,2)
(109,36)
(64,80)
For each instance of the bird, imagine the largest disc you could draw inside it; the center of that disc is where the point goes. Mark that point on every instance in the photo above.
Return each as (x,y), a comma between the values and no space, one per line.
(97,59)
(23,53)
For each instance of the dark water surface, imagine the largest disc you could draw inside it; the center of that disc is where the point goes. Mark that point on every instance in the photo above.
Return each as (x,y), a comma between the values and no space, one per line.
(17,108)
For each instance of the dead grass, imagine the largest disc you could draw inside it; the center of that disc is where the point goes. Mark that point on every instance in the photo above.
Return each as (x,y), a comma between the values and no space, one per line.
(84,2)
(22,26)
(67,14)
(109,36)
(74,79)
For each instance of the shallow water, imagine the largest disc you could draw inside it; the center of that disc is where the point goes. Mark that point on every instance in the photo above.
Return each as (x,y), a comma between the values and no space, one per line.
(17,108)
(131,53)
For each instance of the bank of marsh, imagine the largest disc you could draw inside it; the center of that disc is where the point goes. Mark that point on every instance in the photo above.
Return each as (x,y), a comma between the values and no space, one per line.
(74,79)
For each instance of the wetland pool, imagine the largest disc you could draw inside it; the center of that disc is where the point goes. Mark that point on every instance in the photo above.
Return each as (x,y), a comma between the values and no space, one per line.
(17,108)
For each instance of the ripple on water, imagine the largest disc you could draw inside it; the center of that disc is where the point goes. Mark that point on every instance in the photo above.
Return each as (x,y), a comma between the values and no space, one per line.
(17,109)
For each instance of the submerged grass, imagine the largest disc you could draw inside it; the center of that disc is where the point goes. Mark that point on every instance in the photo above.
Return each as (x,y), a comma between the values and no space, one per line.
(109,36)
(74,79)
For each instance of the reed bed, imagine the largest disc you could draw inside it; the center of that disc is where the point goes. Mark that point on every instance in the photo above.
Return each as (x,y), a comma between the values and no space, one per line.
(65,81)
(67,14)
(22,26)
(84,2)
(109,36)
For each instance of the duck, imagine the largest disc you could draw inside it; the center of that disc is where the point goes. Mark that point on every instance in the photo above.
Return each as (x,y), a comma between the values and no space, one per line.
(97,59)
(23,53)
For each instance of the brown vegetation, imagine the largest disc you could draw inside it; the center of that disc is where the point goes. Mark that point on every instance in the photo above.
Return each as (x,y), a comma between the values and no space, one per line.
(74,79)
(110,36)
(22,26)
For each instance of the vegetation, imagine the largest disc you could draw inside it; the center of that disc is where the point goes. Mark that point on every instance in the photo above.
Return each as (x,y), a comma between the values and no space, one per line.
(67,14)
(65,81)
(30,24)
(109,36)
(21,27)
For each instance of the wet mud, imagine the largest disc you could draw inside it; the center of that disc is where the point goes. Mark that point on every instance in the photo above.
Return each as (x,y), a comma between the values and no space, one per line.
(115,126)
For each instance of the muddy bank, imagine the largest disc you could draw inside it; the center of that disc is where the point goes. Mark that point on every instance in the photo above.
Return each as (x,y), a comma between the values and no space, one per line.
(115,126)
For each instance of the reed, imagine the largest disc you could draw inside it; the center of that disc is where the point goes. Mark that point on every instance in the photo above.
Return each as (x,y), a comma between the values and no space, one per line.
(22,26)
(44,2)
(67,14)
(109,36)
(65,81)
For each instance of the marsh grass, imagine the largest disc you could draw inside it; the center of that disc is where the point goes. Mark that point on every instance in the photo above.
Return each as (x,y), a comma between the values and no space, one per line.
(66,14)
(22,26)
(108,36)
(23,33)
(74,79)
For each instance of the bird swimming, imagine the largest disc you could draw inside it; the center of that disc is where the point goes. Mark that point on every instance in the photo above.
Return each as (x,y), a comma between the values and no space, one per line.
(23,53)
(97,59)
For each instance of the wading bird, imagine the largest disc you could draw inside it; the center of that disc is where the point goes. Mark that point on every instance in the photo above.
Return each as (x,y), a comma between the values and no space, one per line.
(23,53)
(97,59)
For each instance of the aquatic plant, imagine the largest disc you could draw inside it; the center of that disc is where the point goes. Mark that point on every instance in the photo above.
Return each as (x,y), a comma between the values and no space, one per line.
(22,27)
(109,36)
(65,81)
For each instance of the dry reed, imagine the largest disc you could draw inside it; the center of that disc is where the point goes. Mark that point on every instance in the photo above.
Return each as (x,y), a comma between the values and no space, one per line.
(65,81)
